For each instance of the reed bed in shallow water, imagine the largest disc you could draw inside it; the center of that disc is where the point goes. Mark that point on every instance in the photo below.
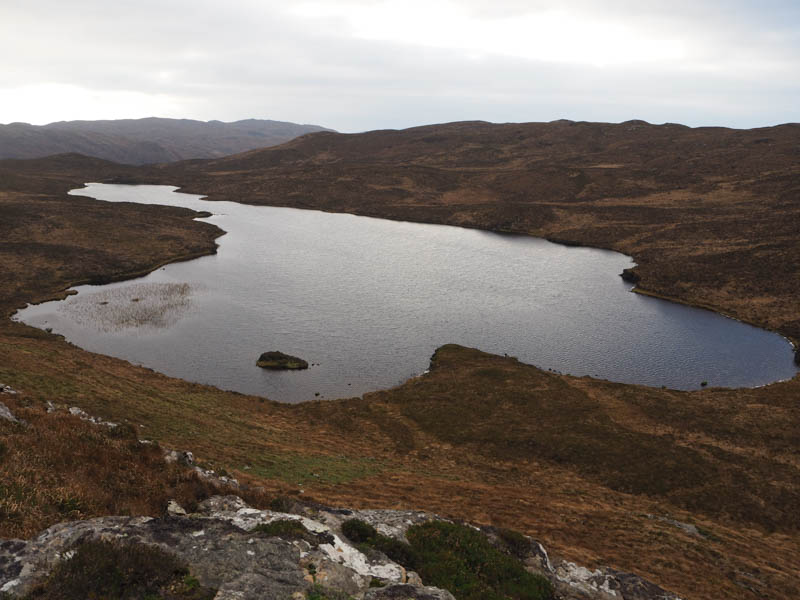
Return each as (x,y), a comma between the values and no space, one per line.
(135,306)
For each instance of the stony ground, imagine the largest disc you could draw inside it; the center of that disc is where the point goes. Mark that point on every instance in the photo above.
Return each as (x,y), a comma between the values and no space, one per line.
(228,548)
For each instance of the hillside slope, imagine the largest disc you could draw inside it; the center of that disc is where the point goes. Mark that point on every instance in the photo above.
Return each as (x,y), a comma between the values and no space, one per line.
(142,141)
(696,491)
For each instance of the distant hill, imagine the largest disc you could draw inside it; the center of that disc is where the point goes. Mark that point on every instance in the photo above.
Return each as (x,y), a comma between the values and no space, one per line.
(145,141)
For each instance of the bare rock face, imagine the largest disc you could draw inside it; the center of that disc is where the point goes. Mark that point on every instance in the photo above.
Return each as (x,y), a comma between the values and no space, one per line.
(221,555)
(240,552)
(337,550)
(223,548)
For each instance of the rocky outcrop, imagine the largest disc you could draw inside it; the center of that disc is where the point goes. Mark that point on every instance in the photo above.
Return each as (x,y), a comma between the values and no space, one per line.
(225,550)
(221,555)
(7,415)
(186,459)
(230,548)
(279,360)
(84,416)
(630,275)
(239,551)
(5,412)
(182,457)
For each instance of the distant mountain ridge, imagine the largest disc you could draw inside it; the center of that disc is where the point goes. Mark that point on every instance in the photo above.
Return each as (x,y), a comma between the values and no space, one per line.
(146,141)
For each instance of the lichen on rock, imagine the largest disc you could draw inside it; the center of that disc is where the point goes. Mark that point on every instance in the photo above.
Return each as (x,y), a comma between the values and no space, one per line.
(227,547)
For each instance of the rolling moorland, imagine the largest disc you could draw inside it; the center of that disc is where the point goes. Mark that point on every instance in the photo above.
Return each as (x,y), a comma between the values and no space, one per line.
(600,472)
(144,141)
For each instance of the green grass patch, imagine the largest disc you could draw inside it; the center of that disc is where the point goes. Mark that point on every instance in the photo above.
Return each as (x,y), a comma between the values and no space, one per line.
(282,504)
(283,528)
(462,560)
(294,468)
(41,386)
(321,593)
(517,544)
(366,537)
(292,530)
(458,559)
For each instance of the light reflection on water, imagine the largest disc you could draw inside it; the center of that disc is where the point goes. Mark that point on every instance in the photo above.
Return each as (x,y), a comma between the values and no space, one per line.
(367,301)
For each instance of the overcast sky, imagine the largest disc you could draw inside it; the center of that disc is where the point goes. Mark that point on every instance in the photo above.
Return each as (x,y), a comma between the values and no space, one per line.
(355,65)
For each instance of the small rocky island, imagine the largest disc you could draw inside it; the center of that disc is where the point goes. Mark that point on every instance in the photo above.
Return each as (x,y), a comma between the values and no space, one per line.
(279,360)
(630,275)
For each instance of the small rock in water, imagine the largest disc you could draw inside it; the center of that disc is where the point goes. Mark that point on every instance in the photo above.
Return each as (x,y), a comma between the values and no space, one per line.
(279,360)
(630,275)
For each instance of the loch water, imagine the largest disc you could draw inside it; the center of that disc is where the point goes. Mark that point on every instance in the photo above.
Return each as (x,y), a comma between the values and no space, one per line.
(366,302)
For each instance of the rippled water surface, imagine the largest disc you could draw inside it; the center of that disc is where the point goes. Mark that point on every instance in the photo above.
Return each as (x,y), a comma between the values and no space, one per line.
(367,301)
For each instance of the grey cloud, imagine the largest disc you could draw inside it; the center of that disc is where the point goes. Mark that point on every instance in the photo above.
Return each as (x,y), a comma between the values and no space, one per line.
(250,59)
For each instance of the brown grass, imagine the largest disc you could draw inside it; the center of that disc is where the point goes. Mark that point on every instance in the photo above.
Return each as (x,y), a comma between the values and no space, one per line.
(575,462)
(593,469)
(61,468)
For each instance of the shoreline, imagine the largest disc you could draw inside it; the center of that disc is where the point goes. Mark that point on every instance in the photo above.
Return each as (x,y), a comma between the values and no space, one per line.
(117,277)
